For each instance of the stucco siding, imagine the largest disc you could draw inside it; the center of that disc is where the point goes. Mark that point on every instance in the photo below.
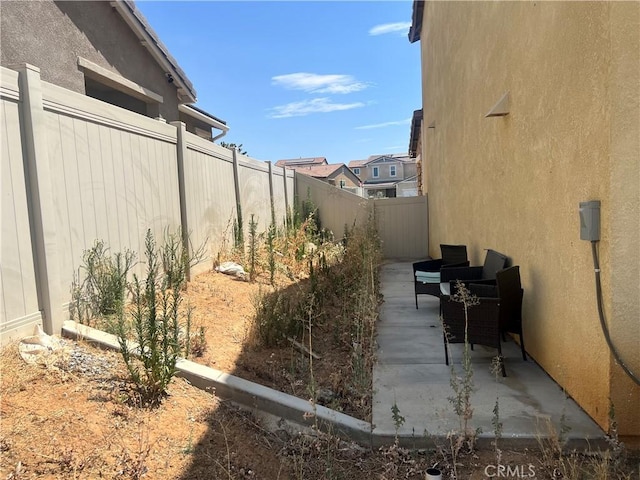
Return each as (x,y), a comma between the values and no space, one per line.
(34,32)
(348,179)
(514,183)
(624,180)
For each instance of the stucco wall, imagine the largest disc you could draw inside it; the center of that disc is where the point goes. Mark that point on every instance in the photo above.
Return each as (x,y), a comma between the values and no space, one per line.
(52,35)
(348,179)
(514,183)
(624,181)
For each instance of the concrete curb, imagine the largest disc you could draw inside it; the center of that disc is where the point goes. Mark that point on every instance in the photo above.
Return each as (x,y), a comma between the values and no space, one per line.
(261,399)
(245,393)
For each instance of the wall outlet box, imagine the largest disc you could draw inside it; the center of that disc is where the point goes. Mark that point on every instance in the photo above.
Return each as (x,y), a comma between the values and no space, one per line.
(590,220)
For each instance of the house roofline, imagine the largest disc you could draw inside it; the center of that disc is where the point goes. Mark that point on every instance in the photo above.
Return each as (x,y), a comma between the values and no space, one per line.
(150,40)
(416,21)
(204,117)
(416,124)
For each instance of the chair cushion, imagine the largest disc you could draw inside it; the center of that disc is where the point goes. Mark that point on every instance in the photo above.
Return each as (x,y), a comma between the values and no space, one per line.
(428,277)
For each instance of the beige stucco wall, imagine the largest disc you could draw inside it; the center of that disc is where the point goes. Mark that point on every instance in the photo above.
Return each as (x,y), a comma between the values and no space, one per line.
(349,181)
(514,183)
(52,35)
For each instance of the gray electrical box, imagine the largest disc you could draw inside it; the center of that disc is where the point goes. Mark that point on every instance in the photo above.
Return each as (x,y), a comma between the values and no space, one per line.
(590,220)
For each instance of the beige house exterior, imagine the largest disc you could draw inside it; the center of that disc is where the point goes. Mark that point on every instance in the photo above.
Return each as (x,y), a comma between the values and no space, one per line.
(105,50)
(566,131)
(381,175)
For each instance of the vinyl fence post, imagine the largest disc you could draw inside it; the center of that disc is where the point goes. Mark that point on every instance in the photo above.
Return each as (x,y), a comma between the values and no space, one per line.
(236,185)
(181,150)
(40,200)
(273,208)
(286,196)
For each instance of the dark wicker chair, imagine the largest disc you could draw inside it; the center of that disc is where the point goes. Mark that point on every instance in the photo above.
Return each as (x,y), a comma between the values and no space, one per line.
(426,274)
(483,319)
(499,310)
(510,292)
(493,262)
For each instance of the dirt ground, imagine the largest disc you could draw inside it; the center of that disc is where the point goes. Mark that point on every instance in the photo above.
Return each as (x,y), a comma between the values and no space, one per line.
(76,415)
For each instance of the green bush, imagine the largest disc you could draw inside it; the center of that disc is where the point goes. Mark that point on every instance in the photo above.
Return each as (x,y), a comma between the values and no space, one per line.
(102,292)
(279,315)
(155,327)
(177,259)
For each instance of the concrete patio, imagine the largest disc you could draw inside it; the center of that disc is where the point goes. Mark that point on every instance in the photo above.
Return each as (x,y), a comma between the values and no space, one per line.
(411,373)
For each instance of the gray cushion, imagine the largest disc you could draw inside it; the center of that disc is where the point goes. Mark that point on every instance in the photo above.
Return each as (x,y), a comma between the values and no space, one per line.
(428,277)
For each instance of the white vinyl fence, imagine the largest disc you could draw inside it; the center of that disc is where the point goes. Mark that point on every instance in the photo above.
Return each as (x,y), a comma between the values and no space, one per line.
(76,170)
(402,223)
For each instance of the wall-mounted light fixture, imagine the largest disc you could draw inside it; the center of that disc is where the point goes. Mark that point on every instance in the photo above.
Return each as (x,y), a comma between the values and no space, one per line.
(432,124)
(501,108)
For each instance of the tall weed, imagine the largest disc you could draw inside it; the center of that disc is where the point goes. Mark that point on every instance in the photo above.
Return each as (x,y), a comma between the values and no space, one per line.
(178,256)
(102,291)
(154,327)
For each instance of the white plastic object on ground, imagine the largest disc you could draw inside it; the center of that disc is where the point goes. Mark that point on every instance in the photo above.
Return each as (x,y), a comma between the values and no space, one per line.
(231,268)
(33,349)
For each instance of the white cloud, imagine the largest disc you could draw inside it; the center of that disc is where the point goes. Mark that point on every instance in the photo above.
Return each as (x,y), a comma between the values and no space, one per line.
(400,28)
(314,83)
(316,105)
(406,121)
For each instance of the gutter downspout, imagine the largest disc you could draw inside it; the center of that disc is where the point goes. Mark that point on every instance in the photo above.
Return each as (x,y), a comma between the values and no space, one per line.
(184,108)
(224,132)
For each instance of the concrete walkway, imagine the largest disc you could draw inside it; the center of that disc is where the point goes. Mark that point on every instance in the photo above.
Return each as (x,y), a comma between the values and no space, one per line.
(411,373)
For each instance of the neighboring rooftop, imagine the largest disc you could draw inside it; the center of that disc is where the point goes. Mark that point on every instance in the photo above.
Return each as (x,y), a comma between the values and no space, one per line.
(318,171)
(401,157)
(357,163)
(292,162)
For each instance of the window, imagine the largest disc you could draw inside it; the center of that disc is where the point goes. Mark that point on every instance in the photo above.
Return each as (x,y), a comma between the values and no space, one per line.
(356,171)
(392,170)
(114,97)
(376,172)
(112,88)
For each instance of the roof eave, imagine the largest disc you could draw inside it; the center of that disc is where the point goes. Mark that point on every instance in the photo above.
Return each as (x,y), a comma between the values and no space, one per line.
(416,124)
(204,117)
(150,40)
(416,21)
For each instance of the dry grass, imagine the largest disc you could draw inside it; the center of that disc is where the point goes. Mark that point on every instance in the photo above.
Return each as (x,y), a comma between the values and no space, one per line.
(77,416)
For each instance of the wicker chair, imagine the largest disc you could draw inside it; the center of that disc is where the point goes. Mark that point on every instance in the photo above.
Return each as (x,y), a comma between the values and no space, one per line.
(426,274)
(510,292)
(483,319)
(499,310)
(493,262)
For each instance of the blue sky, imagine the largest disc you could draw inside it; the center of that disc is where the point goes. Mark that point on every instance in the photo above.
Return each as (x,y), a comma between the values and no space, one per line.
(297,78)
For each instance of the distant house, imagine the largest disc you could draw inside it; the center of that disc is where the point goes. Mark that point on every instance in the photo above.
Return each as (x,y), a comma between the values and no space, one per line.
(105,50)
(337,174)
(301,162)
(381,175)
